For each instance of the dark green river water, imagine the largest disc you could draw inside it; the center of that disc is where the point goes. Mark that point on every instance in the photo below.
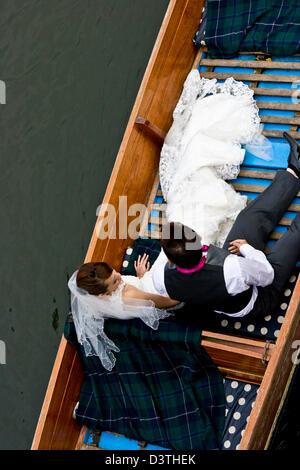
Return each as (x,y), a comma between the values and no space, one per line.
(71,71)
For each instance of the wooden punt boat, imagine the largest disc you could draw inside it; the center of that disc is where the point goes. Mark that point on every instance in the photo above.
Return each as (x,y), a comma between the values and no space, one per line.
(135,174)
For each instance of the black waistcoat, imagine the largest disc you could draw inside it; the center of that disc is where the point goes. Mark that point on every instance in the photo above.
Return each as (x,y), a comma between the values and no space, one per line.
(205,287)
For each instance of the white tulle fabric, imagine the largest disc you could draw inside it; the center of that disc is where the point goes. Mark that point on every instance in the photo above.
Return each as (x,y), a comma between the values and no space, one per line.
(89,312)
(203,149)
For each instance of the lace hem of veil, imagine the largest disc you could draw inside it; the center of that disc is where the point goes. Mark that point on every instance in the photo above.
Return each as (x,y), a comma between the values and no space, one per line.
(196,88)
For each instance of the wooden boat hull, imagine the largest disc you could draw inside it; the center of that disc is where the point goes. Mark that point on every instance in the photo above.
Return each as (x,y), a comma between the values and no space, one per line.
(135,174)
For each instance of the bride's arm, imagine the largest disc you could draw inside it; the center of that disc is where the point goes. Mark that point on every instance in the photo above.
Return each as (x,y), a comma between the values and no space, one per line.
(160,301)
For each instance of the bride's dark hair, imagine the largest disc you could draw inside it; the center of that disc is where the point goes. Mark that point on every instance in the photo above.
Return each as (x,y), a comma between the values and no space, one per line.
(181,245)
(91,277)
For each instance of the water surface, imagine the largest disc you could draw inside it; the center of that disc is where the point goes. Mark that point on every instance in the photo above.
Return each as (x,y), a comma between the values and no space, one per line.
(72,69)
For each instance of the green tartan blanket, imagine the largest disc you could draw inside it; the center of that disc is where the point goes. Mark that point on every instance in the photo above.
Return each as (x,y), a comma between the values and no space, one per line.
(271,26)
(164,388)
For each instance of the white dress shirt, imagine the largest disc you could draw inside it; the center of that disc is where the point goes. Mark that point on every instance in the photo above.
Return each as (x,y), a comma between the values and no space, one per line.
(240,272)
(158,273)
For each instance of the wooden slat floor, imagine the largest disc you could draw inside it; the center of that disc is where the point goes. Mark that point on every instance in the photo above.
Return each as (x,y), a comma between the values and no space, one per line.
(279,109)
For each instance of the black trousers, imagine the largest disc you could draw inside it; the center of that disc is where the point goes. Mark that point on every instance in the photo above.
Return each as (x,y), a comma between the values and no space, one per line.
(256,222)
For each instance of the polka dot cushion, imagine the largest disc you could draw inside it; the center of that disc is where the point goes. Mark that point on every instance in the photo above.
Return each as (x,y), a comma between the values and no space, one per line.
(140,246)
(240,399)
(268,327)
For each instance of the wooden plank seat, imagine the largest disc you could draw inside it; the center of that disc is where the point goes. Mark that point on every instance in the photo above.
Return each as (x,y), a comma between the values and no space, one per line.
(277,78)
(263,64)
(253,77)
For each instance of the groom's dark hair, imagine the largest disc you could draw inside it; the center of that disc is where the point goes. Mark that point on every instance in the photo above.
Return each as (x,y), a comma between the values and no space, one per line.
(181,244)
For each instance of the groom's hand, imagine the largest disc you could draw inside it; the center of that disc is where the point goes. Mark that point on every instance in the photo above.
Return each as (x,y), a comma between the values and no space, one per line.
(235,246)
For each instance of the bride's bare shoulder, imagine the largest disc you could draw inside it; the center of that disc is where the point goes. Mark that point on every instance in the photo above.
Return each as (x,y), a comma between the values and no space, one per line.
(132,291)
(128,290)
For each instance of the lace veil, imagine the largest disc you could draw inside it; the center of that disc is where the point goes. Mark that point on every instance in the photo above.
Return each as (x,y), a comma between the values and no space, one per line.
(89,312)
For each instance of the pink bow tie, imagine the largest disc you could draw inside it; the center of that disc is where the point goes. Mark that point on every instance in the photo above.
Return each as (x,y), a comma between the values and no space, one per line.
(199,265)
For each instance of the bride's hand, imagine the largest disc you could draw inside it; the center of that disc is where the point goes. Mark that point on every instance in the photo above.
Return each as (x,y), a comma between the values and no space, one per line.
(174,302)
(235,246)
(142,265)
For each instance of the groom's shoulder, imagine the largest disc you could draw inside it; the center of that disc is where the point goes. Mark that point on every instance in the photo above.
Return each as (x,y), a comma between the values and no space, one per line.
(216,255)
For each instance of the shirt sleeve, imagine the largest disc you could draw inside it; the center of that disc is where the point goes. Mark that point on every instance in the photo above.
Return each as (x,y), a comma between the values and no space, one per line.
(158,274)
(250,269)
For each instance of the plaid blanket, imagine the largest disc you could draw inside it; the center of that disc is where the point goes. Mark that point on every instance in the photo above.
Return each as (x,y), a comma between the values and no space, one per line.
(270,26)
(164,388)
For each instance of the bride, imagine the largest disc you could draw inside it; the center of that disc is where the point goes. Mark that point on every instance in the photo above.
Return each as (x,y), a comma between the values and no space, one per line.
(202,149)
(99,292)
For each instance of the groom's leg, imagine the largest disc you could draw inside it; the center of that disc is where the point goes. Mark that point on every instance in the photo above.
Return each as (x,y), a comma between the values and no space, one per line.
(284,255)
(257,221)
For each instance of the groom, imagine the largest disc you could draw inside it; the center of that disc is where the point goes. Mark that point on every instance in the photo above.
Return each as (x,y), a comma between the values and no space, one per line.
(222,281)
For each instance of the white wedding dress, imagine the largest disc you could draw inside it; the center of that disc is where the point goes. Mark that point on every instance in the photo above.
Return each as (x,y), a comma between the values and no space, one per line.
(144,283)
(203,149)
